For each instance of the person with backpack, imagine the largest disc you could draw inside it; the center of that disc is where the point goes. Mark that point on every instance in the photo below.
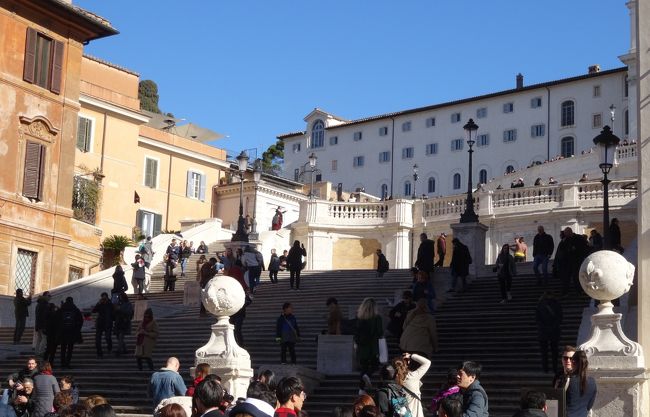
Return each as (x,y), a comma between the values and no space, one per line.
(391,396)
(70,323)
(274,267)
(416,367)
(382,264)
(103,324)
(460,262)
(119,283)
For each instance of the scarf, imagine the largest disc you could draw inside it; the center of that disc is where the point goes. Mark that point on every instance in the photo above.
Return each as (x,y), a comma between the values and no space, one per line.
(46,372)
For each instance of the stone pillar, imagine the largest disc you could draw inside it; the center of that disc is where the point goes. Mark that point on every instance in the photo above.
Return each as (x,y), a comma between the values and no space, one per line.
(223,296)
(640,16)
(615,362)
(472,235)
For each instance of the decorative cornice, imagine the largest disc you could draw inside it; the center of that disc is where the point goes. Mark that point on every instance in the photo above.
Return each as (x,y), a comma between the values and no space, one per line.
(39,127)
(130,114)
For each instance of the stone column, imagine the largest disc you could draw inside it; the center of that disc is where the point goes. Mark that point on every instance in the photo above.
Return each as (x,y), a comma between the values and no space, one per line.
(223,296)
(615,362)
(640,17)
(472,235)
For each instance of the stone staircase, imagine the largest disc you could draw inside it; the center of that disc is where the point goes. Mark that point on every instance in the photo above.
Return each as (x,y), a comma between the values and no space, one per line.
(470,325)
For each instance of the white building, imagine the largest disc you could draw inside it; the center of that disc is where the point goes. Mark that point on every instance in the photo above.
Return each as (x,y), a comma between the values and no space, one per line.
(517,128)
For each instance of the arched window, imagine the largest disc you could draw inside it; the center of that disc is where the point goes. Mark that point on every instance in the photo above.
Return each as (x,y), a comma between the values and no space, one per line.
(567,146)
(482,176)
(318,134)
(407,189)
(510,169)
(431,185)
(384,191)
(626,122)
(456,184)
(568,113)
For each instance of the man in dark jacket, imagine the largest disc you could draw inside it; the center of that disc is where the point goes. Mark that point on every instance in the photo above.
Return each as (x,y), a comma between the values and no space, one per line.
(424,261)
(578,250)
(21,311)
(548,316)
(70,323)
(40,323)
(532,405)
(543,246)
(475,400)
(103,324)
(382,264)
(140,274)
(460,261)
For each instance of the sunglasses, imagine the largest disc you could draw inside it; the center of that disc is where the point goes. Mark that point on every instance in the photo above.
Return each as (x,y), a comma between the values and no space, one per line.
(568,358)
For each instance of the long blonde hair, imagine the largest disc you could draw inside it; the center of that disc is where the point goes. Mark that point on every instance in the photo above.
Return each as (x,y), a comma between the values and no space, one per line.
(367,309)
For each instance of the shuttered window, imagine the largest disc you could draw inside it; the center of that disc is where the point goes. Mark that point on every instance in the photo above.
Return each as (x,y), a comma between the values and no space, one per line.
(43,61)
(33,171)
(150,173)
(84,131)
(195,185)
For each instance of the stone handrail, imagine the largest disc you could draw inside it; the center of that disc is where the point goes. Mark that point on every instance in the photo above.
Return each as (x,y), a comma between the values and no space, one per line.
(526,196)
(329,213)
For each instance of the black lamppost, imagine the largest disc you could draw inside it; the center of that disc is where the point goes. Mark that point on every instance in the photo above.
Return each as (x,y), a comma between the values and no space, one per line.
(415,179)
(606,143)
(469,216)
(242,163)
(312,168)
(257,176)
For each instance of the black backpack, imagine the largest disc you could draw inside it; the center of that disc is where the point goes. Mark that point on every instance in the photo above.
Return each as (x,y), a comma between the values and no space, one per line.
(397,401)
(68,321)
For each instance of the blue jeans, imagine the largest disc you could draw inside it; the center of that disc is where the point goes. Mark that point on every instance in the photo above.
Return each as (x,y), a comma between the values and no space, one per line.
(254,273)
(541,259)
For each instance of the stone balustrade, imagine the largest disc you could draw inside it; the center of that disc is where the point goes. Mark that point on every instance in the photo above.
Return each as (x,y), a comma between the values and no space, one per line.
(587,195)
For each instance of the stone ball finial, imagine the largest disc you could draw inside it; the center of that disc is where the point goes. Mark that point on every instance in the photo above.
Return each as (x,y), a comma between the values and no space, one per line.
(606,275)
(223,296)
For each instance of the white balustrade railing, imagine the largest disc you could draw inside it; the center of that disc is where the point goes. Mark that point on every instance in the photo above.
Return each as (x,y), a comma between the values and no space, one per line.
(626,152)
(358,210)
(526,196)
(587,195)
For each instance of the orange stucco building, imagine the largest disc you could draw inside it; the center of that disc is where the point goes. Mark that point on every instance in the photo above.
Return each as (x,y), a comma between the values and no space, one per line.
(80,160)
(40,69)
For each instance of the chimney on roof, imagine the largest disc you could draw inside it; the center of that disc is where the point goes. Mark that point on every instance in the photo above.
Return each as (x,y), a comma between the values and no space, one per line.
(593,69)
(520,81)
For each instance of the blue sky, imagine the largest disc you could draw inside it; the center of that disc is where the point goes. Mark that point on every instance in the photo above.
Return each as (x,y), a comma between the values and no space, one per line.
(252,69)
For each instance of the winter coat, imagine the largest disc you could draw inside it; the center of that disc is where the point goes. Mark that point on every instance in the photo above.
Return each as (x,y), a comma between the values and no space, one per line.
(506,266)
(548,316)
(397,317)
(412,383)
(21,306)
(475,401)
(543,244)
(70,322)
(294,259)
(367,335)
(150,332)
(420,333)
(579,405)
(424,260)
(42,310)
(460,260)
(382,263)
(45,386)
(104,312)
(139,269)
(274,263)
(286,328)
(119,282)
(123,315)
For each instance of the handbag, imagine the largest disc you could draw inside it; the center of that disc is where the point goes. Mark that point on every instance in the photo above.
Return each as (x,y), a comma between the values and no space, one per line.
(383,350)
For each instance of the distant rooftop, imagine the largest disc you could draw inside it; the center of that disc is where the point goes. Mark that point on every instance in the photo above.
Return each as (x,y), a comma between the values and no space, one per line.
(188,130)
(110,64)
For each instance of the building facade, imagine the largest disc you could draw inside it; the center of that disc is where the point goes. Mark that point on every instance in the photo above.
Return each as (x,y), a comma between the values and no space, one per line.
(40,70)
(517,128)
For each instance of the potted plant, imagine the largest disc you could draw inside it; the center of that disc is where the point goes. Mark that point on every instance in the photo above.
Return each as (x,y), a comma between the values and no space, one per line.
(112,248)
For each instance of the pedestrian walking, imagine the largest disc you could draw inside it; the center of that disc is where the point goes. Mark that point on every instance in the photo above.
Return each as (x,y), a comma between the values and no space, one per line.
(294,263)
(21,311)
(70,323)
(505,269)
(103,324)
(287,333)
(543,246)
(123,314)
(146,338)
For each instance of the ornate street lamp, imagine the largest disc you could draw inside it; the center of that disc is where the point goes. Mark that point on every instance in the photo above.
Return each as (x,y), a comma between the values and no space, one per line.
(312,167)
(469,216)
(606,143)
(257,176)
(415,179)
(242,163)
